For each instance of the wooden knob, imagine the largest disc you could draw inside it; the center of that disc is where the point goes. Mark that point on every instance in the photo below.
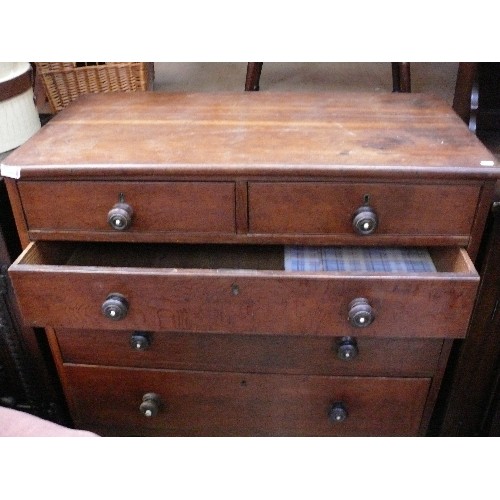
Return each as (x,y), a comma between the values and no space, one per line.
(360,313)
(150,405)
(120,216)
(338,412)
(115,307)
(347,348)
(365,220)
(140,341)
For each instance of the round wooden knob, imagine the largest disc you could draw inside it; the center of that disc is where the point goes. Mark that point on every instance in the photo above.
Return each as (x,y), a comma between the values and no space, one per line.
(338,412)
(347,348)
(150,405)
(365,220)
(140,341)
(360,313)
(115,307)
(120,216)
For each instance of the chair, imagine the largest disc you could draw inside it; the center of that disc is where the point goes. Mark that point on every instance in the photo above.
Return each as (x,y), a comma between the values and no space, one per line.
(465,99)
(401,78)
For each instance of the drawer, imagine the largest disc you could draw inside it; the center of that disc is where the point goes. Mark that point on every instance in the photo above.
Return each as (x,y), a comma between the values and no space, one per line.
(217,404)
(314,208)
(238,289)
(165,207)
(251,353)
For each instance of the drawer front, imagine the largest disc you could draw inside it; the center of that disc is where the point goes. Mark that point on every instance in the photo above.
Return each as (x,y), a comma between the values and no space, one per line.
(171,207)
(251,353)
(216,404)
(328,208)
(243,301)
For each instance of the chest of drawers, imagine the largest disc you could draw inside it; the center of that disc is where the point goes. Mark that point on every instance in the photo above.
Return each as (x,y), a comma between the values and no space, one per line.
(155,228)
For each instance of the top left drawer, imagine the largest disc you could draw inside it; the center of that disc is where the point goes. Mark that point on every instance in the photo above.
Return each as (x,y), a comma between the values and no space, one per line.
(127,210)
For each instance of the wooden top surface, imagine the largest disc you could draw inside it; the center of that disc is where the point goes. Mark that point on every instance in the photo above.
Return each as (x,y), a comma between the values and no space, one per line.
(151,134)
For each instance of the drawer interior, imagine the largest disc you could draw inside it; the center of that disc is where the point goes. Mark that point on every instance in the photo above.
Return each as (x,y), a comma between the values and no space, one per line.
(218,257)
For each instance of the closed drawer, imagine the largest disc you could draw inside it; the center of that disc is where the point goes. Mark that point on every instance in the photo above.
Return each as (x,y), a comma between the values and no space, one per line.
(165,207)
(238,289)
(251,353)
(413,211)
(217,404)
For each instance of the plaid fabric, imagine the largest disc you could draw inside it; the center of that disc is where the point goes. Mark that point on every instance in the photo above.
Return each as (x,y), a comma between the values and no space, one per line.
(387,260)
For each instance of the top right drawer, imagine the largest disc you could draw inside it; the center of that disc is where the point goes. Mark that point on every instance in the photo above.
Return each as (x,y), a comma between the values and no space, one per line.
(378,210)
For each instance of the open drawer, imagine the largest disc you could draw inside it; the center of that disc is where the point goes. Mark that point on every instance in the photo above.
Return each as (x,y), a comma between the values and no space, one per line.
(238,289)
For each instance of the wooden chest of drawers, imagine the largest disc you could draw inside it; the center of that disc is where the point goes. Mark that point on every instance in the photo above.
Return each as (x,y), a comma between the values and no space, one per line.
(155,228)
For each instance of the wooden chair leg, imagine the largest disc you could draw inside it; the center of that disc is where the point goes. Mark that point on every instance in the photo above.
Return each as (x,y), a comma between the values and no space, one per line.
(253,75)
(462,99)
(401,77)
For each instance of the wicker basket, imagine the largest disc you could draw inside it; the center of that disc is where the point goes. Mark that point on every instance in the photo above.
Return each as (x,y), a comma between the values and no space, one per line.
(64,82)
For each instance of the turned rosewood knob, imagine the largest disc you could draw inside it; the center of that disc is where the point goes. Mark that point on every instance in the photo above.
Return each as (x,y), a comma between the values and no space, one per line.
(150,404)
(347,348)
(365,220)
(140,341)
(360,313)
(338,412)
(120,216)
(115,307)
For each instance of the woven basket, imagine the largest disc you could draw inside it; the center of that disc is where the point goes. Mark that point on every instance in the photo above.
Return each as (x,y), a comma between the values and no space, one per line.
(64,82)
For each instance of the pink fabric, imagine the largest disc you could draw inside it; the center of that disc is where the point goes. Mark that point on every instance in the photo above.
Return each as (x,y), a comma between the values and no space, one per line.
(19,424)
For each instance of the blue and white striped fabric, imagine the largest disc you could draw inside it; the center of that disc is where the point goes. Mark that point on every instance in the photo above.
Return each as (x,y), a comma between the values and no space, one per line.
(386,260)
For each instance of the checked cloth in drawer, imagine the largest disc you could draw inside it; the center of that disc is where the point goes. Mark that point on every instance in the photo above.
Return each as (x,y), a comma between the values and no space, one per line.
(376,259)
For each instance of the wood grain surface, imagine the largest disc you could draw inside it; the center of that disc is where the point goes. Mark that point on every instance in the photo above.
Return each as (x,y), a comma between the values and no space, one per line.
(358,134)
